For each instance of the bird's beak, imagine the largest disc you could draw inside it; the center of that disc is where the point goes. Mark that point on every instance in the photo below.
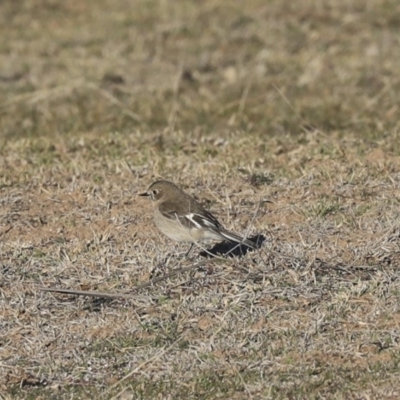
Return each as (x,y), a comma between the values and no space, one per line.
(144,194)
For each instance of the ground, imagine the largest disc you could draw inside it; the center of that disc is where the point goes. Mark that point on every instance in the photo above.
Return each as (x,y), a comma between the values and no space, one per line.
(282,118)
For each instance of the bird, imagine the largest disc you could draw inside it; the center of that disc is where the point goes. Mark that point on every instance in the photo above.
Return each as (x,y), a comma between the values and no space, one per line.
(180,217)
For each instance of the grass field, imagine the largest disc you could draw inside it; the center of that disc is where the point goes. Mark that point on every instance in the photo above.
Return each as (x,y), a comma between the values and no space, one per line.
(282,117)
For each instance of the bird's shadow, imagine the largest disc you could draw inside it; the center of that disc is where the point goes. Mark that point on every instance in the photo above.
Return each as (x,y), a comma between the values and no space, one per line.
(232,249)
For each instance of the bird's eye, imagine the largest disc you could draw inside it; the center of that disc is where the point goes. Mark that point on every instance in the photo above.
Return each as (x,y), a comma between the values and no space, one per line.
(155,191)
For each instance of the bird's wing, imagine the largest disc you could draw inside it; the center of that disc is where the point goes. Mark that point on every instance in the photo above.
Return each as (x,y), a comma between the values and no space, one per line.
(204,220)
(198,217)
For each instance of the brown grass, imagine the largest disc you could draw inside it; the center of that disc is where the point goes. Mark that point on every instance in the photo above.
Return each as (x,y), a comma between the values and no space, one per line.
(292,102)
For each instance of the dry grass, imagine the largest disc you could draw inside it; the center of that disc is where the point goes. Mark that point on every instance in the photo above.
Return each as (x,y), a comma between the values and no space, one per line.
(293,103)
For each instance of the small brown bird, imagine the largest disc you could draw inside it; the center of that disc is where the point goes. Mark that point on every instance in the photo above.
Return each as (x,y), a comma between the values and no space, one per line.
(180,217)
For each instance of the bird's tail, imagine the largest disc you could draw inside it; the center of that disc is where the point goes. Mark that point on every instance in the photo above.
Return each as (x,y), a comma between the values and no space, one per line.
(236,238)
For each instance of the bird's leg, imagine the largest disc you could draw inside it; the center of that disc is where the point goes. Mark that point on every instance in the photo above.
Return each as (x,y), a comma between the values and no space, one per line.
(191,247)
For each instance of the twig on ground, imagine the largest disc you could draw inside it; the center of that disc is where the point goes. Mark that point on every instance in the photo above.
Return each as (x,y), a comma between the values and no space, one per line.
(125,295)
